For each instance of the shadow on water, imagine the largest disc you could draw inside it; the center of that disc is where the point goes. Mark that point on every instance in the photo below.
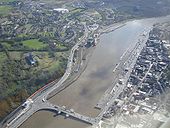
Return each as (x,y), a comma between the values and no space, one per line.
(56,115)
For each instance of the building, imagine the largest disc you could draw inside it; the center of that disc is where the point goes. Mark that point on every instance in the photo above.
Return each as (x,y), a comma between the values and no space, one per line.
(29,59)
(90,42)
(61,10)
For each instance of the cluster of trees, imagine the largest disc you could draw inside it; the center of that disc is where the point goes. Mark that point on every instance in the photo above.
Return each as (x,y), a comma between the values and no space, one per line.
(11,102)
(20,80)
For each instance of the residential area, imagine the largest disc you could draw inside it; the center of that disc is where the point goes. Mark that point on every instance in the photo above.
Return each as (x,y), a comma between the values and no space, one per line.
(146,91)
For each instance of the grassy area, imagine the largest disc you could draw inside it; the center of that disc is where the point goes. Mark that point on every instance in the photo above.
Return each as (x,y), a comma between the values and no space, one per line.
(43,60)
(77,10)
(54,66)
(3,57)
(15,55)
(57,64)
(60,46)
(56,1)
(48,64)
(5,10)
(34,44)
(22,35)
(48,34)
(6,45)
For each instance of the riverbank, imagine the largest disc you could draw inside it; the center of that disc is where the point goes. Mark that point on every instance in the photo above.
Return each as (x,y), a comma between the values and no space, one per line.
(86,54)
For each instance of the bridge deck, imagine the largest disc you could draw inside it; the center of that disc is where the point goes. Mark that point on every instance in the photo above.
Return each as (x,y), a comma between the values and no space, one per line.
(78,116)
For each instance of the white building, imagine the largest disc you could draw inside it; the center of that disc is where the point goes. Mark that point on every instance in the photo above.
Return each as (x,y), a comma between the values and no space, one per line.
(62,10)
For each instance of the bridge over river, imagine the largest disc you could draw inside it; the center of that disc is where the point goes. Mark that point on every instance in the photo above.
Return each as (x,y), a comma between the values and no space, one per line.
(45,105)
(69,113)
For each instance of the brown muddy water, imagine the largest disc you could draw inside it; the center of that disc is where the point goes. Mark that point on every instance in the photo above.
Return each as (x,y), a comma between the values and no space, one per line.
(83,95)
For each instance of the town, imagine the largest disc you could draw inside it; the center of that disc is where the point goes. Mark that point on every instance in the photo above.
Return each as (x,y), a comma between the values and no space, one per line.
(147,80)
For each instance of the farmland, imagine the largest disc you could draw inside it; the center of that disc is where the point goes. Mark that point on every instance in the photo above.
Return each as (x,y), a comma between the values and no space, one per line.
(34,44)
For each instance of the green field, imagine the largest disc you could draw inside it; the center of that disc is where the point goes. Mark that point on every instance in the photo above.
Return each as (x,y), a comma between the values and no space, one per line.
(7,0)
(5,10)
(34,44)
(49,64)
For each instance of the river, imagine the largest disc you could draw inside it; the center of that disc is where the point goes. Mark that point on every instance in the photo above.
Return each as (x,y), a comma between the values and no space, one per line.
(83,95)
